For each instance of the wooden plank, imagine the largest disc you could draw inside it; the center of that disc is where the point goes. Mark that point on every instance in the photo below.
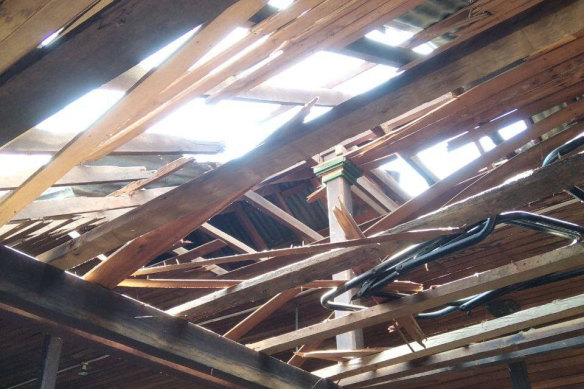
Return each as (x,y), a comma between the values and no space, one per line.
(32,289)
(80,175)
(133,106)
(282,216)
(99,51)
(260,314)
(501,349)
(504,45)
(547,313)
(164,171)
(199,251)
(225,237)
(44,142)
(544,182)
(524,270)
(176,284)
(55,208)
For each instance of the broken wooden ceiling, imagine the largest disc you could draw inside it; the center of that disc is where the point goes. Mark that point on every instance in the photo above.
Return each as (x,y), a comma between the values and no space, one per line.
(242,248)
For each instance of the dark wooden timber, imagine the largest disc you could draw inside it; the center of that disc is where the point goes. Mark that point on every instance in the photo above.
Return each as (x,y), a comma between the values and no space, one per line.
(33,289)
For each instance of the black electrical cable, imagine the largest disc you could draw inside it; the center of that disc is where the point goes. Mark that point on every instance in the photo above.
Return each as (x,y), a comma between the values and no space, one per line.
(373,281)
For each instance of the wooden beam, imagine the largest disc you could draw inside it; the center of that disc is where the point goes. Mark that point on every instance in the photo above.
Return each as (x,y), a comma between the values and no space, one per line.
(199,251)
(164,171)
(260,314)
(496,349)
(80,175)
(225,237)
(524,270)
(282,216)
(51,356)
(37,141)
(35,290)
(176,284)
(56,208)
(504,45)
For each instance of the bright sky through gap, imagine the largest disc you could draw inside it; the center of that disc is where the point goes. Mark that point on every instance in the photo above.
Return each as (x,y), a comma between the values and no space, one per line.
(242,125)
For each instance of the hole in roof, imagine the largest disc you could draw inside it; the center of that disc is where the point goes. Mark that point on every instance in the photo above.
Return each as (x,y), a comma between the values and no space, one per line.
(425,48)
(280,4)
(316,71)
(161,55)
(487,143)
(81,113)
(367,80)
(409,179)
(511,130)
(50,39)
(442,163)
(390,36)
(230,39)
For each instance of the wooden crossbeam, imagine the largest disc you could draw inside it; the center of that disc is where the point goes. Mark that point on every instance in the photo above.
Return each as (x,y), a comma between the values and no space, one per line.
(225,237)
(189,255)
(164,171)
(58,208)
(260,314)
(35,290)
(80,175)
(559,260)
(37,141)
(282,216)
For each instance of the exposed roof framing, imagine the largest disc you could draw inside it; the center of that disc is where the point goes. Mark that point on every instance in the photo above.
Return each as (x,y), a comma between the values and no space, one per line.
(213,273)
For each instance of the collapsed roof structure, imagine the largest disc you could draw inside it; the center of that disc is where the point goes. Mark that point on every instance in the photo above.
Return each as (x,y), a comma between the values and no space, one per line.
(291,194)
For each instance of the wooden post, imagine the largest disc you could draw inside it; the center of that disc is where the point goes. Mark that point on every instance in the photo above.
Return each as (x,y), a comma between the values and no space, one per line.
(50,361)
(338,175)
